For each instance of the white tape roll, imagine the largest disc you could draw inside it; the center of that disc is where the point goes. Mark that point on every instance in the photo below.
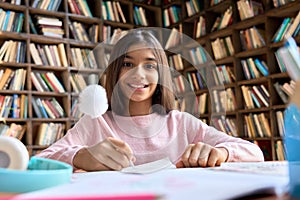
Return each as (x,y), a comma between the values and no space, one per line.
(13,153)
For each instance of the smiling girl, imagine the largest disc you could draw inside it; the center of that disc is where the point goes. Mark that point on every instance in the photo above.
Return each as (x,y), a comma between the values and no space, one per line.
(143,124)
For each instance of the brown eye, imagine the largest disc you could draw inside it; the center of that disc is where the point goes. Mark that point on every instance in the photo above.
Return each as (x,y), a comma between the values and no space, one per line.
(150,66)
(127,64)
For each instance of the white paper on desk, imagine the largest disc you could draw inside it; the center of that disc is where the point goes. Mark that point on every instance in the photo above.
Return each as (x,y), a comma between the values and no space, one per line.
(171,184)
(277,168)
(151,167)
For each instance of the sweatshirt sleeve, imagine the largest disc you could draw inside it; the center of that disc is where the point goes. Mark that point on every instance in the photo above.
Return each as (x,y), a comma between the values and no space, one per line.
(239,150)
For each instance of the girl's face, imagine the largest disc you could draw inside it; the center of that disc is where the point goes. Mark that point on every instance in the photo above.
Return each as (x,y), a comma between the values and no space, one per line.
(139,74)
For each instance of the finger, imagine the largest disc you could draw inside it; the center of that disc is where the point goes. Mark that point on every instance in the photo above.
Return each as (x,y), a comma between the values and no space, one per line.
(185,156)
(203,155)
(180,164)
(194,157)
(112,164)
(108,155)
(213,158)
(121,146)
(124,150)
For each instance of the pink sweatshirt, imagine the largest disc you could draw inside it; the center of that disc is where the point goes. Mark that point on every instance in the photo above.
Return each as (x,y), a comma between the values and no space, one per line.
(151,137)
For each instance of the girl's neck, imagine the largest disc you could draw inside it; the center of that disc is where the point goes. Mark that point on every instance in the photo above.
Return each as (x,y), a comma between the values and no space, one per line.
(140,108)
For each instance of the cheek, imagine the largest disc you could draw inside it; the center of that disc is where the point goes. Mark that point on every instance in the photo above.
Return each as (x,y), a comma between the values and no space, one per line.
(153,78)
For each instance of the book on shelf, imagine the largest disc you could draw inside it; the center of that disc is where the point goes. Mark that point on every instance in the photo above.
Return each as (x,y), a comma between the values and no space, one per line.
(174,38)
(48,133)
(283,96)
(200,27)
(46,5)
(193,7)
(252,38)
(290,57)
(280,151)
(280,123)
(249,8)
(226,18)
(278,36)
(13,130)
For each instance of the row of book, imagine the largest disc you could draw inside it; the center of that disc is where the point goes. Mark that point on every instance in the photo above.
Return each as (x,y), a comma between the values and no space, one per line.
(139,16)
(14,106)
(48,133)
(11,21)
(252,38)
(249,8)
(285,90)
(176,62)
(199,27)
(223,21)
(75,111)
(80,7)
(46,82)
(79,81)
(47,26)
(266,147)
(13,51)
(196,80)
(223,74)
(111,36)
(50,55)
(225,124)
(254,68)
(83,58)
(278,3)
(12,130)
(222,47)
(257,125)
(224,100)
(112,10)
(47,108)
(53,27)
(175,37)
(289,27)
(12,79)
(171,15)
(193,7)
(198,56)
(255,96)
(199,106)
(84,32)
(46,4)
(286,60)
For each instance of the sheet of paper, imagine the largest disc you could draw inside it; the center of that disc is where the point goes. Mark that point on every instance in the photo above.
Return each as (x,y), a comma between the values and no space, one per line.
(266,168)
(171,184)
(151,167)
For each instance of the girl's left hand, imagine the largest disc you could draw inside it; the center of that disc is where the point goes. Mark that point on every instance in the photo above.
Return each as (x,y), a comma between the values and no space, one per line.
(202,155)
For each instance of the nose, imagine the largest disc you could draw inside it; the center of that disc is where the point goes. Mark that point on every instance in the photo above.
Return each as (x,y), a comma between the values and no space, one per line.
(138,72)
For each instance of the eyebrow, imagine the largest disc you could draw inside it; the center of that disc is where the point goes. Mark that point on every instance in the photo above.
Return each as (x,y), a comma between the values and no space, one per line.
(148,59)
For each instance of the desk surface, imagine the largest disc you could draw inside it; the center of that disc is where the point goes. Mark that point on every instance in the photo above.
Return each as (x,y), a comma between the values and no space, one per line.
(171,184)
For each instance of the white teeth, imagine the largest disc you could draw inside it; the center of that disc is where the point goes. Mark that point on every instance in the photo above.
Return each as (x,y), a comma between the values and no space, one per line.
(137,86)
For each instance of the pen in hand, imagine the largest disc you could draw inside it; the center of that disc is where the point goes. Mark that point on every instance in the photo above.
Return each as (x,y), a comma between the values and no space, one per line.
(122,147)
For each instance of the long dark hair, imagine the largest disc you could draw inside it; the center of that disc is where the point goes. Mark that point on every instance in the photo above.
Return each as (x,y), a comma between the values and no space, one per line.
(164,93)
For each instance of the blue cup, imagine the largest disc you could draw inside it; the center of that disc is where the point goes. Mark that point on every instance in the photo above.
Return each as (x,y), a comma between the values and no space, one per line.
(292,146)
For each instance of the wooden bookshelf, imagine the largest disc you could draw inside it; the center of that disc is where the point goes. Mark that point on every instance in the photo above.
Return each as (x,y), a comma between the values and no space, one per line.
(98,26)
(268,22)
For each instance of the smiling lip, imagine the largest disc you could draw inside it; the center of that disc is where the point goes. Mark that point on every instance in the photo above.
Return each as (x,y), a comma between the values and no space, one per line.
(137,86)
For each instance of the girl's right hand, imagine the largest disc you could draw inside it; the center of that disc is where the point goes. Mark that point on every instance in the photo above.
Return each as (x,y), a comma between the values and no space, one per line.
(109,154)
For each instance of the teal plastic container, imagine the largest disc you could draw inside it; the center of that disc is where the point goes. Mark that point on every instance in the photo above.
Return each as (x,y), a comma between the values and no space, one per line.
(41,173)
(292,146)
